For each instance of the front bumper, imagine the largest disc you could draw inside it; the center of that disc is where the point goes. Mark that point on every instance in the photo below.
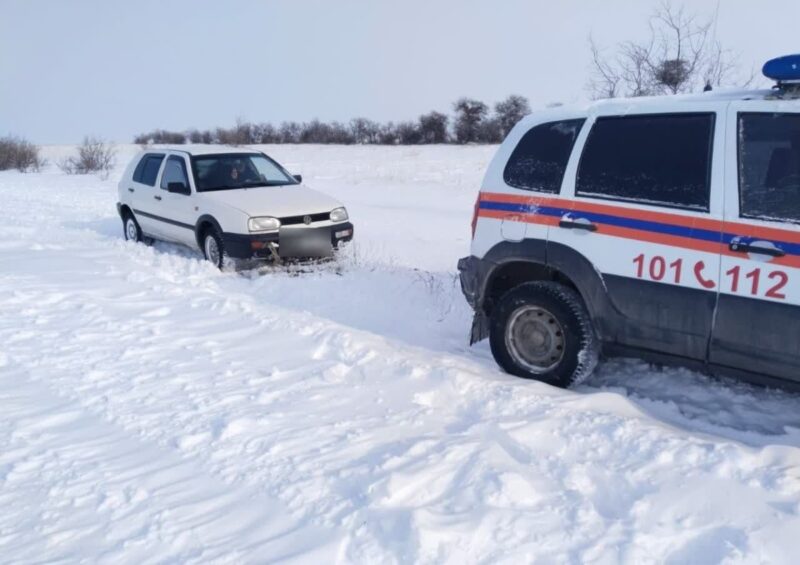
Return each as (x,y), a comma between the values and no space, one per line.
(248,246)
(472,273)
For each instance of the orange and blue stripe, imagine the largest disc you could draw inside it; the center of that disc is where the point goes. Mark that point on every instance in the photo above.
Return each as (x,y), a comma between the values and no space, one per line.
(676,230)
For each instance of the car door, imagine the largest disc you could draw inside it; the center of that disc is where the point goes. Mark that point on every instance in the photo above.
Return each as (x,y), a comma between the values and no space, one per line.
(758,320)
(645,204)
(143,191)
(177,209)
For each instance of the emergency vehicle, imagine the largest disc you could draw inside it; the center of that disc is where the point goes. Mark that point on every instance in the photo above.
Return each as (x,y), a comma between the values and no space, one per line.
(666,228)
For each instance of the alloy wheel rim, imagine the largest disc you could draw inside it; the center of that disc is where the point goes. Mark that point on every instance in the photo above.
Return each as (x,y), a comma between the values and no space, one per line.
(212,250)
(130,230)
(535,339)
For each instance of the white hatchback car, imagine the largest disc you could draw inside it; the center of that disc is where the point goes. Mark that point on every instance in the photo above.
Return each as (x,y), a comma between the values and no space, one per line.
(228,202)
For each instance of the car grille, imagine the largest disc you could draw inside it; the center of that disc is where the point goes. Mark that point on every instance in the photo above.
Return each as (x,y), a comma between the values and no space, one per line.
(294,220)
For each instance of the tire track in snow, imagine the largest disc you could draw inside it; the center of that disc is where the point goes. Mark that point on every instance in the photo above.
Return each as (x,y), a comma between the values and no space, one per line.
(74,486)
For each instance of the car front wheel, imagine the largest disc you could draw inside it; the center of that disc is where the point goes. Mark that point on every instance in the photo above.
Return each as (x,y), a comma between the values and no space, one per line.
(542,331)
(213,249)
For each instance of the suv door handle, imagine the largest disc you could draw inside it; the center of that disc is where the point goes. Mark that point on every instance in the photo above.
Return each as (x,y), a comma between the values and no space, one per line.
(157,197)
(747,248)
(573,225)
(130,190)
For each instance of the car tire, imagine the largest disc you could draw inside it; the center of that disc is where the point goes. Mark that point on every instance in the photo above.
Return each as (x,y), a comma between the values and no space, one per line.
(132,230)
(214,249)
(542,331)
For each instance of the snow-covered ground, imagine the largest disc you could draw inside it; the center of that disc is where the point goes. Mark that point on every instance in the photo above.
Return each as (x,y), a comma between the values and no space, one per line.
(155,409)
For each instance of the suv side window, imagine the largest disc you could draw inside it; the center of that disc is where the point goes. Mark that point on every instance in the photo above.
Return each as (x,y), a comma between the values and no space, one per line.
(540,158)
(655,159)
(147,169)
(174,171)
(769,166)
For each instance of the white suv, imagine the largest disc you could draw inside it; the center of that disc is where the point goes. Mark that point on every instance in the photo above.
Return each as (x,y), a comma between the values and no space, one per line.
(229,203)
(666,228)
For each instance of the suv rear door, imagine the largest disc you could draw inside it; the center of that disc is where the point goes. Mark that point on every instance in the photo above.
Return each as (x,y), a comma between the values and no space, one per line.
(758,321)
(523,180)
(645,204)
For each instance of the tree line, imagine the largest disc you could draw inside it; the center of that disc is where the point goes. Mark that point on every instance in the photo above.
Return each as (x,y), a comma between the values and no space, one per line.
(472,122)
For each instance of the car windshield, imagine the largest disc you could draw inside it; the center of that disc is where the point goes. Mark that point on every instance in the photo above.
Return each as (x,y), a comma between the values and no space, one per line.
(237,170)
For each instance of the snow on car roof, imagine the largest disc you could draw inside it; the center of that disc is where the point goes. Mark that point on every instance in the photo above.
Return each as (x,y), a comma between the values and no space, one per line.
(655,103)
(207,149)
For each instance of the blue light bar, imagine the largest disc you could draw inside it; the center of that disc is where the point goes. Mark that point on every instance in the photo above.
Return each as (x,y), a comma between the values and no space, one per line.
(783,69)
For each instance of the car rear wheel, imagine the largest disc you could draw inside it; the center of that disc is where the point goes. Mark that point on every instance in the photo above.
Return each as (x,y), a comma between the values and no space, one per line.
(542,331)
(132,231)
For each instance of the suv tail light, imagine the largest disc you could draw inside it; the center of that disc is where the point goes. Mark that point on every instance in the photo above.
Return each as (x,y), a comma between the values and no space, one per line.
(475,214)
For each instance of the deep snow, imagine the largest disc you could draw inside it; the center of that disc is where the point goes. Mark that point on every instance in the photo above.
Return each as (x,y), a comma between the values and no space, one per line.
(155,409)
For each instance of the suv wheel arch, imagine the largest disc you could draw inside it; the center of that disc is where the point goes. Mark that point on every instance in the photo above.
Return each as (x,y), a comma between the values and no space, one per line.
(515,264)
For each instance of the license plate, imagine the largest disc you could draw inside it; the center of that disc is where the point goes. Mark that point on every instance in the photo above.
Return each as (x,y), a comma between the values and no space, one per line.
(303,242)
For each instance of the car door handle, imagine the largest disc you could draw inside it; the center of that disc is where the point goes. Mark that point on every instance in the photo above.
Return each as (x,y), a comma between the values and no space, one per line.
(747,248)
(130,190)
(573,225)
(157,197)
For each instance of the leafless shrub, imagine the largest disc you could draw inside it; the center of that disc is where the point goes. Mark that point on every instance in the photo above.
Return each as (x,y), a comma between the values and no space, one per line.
(94,156)
(17,153)
(681,54)
(161,137)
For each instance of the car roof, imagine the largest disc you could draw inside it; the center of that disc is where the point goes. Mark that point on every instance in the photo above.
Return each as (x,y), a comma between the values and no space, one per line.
(658,104)
(201,149)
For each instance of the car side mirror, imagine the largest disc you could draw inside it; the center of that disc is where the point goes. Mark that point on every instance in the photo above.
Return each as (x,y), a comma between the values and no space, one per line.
(178,188)
(298,178)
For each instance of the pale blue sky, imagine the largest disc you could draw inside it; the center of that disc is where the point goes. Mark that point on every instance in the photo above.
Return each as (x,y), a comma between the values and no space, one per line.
(115,68)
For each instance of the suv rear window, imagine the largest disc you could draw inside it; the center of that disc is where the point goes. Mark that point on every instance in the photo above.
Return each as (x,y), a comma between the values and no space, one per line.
(656,159)
(147,169)
(769,166)
(540,158)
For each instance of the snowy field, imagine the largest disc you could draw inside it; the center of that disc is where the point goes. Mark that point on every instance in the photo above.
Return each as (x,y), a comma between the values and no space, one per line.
(157,410)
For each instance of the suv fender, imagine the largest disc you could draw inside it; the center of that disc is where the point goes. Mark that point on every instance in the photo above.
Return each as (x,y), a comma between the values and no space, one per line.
(510,264)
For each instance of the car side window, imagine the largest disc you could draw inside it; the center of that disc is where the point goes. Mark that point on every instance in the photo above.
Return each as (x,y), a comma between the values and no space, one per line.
(540,158)
(174,171)
(655,159)
(769,166)
(147,169)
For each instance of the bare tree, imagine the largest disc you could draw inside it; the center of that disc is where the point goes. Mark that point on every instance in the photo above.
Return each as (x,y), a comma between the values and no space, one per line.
(510,111)
(433,128)
(681,54)
(364,131)
(469,115)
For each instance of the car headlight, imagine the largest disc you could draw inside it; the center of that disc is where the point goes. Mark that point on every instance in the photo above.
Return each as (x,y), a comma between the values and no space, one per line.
(338,215)
(263,224)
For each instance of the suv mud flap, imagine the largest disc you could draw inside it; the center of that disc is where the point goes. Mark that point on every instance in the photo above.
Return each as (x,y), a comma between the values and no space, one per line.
(472,273)
(480,328)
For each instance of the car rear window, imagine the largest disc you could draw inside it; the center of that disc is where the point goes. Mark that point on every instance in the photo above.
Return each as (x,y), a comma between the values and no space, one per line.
(655,159)
(540,158)
(769,166)
(147,169)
